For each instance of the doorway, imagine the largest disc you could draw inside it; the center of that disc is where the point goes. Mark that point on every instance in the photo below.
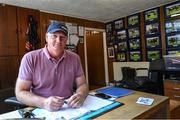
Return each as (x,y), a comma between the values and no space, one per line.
(95,59)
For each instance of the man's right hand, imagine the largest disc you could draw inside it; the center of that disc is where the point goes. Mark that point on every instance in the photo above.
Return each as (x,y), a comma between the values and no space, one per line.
(53,103)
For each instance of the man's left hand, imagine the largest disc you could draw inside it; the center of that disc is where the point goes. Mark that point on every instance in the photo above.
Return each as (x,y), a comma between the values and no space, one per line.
(76,100)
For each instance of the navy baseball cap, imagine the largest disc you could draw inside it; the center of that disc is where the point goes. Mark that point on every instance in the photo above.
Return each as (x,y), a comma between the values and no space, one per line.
(57,26)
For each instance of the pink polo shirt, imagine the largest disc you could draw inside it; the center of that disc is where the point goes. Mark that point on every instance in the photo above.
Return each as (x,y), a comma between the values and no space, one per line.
(50,77)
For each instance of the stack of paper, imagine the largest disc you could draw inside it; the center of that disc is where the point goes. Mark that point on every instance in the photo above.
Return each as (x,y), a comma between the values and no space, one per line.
(91,103)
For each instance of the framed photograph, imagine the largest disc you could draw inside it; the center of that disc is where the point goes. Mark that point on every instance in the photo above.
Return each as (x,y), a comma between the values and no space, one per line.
(151,15)
(133,20)
(153,42)
(110,40)
(109,27)
(111,52)
(119,24)
(152,29)
(172,26)
(122,46)
(134,44)
(153,55)
(71,48)
(121,56)
(133,32)
(173,52)
(135,56)
(81,39)
(173,41)
(121,35)
(172,10)
(115,48)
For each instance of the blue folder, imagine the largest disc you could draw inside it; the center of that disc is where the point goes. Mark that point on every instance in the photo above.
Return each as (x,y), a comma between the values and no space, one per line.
(115,92)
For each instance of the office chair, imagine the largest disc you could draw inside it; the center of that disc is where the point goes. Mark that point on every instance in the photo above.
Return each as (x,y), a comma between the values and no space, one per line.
(156,69)
(8,101)
(13,101)
(153,83)
(127,81)
(140,83)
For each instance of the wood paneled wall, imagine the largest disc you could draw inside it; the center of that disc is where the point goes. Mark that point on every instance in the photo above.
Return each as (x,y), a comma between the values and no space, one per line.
(13,27)
(22,21)
(46,17)
(45,20)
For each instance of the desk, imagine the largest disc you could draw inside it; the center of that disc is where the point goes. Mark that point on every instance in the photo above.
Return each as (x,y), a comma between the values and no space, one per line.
(131,110)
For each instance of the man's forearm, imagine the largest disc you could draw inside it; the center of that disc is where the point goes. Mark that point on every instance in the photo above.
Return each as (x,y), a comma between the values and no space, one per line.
(30,99)
(82,90)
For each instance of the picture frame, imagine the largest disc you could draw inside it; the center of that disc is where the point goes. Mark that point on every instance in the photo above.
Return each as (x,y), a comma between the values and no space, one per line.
(151,15)
(152,29)
(121,35)
(172,26)
(122,46)
(153,55)
(133,20)
(110,39)
(134,44)
(173,41)
(71,48)
(81,39)
(109,27)
(115,48)
(111,52)
(135,56)
(119,24)
(173,52)
(121,56)
(133,32)
(153,42)
(172,10)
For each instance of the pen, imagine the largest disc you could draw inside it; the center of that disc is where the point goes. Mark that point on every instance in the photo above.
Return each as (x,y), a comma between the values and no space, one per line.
(65,101)
(63,118)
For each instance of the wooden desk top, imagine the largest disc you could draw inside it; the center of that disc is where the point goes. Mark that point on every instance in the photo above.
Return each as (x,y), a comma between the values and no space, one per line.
(132,110)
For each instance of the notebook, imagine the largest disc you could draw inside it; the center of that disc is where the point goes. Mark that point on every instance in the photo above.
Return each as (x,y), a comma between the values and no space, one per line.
(115,92)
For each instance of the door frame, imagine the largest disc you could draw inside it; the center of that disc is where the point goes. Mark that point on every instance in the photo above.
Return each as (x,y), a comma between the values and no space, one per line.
(105,54)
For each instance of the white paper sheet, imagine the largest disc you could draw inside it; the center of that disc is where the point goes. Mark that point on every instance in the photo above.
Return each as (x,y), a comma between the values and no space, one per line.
(91,103)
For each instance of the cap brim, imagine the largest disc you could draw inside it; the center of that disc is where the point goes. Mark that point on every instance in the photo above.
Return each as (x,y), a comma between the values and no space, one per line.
(55,30)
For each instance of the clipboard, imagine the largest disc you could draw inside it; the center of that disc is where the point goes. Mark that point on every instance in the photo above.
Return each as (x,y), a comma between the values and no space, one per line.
(92,107)
(94,114)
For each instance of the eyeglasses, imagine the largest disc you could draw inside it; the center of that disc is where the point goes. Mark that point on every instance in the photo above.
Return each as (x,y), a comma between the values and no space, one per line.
(26,113)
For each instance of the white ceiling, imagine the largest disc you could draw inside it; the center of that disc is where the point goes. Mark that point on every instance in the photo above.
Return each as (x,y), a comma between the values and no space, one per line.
(97,10)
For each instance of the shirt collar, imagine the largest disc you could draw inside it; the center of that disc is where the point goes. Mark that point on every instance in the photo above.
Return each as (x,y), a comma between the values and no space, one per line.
(48,55)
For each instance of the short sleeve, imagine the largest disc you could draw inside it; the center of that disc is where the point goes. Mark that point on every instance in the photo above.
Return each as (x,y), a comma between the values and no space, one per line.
(26,68)
(79,70)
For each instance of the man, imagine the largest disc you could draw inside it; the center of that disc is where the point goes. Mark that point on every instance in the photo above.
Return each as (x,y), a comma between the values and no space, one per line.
(47,76)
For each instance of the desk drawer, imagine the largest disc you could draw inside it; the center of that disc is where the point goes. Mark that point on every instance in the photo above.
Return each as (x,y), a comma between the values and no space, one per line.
(172,89)
(172,85)
(175,95)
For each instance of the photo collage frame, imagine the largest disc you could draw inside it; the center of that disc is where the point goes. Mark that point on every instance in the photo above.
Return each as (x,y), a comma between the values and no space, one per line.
(172,27)
(152,34)
(134,40)
(121,40)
